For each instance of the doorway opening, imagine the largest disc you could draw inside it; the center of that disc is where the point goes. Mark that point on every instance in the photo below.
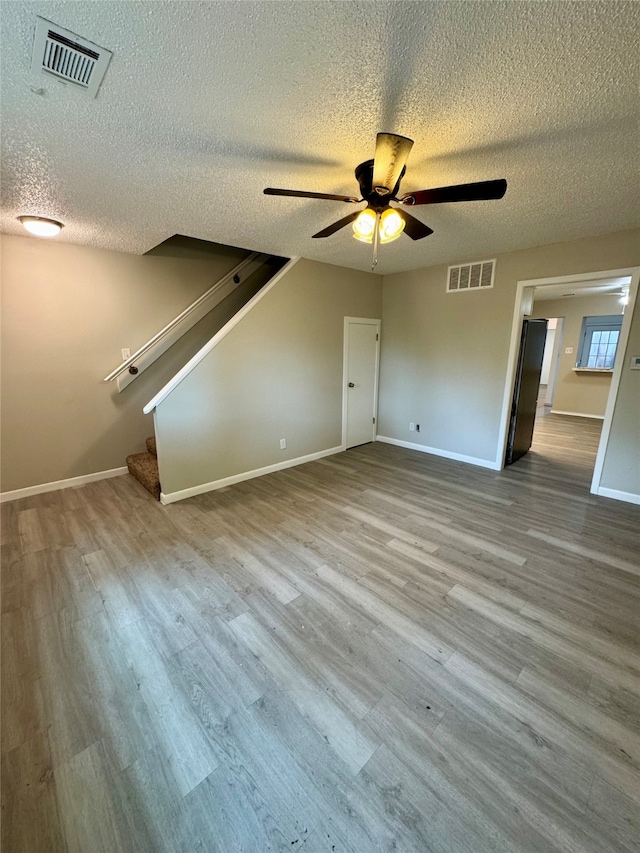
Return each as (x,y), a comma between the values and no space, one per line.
(550,361)
(582,364)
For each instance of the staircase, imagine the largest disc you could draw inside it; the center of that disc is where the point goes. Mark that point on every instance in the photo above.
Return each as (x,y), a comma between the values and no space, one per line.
(237,292)
(144,467)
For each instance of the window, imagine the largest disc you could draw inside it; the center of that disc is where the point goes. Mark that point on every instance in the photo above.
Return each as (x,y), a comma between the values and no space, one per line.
(599,341)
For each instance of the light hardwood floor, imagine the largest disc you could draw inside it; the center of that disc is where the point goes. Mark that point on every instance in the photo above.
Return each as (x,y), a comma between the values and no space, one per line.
(379,651)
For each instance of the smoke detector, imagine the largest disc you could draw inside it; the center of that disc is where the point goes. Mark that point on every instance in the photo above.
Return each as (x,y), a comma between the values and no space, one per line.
(69,58)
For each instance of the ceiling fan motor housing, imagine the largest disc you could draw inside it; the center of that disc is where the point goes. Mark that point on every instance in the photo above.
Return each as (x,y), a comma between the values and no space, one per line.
(364,176)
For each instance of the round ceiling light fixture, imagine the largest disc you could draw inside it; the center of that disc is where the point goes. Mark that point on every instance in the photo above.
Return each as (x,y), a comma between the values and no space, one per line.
(40,226)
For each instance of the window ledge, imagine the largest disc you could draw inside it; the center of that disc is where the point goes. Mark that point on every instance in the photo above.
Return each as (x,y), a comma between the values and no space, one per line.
(592,369)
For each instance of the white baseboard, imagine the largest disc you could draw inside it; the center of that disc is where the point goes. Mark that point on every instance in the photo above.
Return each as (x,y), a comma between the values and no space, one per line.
(172,497)
(60,484)
(577,414)
(628,497)
(436,451)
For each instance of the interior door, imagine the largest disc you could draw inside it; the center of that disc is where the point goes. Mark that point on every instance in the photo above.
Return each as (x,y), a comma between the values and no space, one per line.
(525,392)
(361,380)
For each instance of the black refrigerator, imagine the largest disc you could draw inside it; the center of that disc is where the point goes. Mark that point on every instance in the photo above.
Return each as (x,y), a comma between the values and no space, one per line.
(525,392)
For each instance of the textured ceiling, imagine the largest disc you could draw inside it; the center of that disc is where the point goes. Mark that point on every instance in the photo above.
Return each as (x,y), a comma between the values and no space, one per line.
(204,104)
(601,287)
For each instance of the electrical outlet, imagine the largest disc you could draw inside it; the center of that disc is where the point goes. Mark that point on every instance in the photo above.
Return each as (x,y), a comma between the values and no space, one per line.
(126,352)
(568,350)
(412,426)
(417,427)
(283,444)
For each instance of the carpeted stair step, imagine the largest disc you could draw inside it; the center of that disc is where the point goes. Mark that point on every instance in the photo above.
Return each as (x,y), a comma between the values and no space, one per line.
(144,467)
(151,445)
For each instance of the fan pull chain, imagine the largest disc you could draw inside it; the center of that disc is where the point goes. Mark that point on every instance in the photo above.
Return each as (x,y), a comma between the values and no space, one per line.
(376,242)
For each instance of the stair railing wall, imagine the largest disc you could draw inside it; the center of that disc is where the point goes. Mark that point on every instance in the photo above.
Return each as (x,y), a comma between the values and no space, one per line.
(143,357)
(219,336)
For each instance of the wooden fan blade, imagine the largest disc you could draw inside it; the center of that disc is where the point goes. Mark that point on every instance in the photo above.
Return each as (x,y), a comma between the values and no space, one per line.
(480,191)
(413,227)
(331,229)
(391,155)
(305,194)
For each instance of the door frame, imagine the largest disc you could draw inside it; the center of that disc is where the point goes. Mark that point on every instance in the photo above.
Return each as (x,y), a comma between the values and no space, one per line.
(555,362)
(522,307)
(361,321)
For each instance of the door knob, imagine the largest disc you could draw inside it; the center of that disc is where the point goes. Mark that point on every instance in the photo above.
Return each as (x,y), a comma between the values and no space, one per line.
(351,385)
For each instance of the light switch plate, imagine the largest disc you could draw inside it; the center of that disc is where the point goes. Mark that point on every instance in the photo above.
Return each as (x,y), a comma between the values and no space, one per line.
(635,362)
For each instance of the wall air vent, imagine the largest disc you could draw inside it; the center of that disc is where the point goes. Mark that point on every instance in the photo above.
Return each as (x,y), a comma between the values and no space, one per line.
(475,276)
(72,60)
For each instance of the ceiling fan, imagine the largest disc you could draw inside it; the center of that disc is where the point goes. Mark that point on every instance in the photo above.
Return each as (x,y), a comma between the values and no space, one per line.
(379,181)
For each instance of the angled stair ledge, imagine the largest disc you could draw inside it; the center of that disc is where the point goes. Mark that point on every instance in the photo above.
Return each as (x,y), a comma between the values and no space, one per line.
(219,336)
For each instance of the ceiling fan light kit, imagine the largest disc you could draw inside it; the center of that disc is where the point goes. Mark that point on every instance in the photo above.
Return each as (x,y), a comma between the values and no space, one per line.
(379,181)
(391,225)
(365,225)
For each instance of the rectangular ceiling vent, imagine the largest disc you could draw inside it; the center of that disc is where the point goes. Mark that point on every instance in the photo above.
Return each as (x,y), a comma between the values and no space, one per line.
(476,276)
(68,57)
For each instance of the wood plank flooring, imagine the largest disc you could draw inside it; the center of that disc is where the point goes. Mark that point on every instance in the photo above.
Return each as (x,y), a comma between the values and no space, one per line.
(379,651)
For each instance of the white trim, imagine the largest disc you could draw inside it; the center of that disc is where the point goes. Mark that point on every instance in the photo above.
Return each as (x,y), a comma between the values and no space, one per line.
(577,414)
(628,497)
(215,340)
(618,367)
(366,321)
(606,370)
(514,342)
(523,288)
(436,451)
(172,497)
(16,494)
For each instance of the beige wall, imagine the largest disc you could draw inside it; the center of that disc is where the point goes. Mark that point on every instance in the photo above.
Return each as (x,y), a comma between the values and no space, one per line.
(621,471)
(444,356)
(66,313)
(68,310)
(583,393)
(277,374)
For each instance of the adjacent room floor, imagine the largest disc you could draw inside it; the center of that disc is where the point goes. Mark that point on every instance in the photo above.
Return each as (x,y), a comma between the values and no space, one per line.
(379,651)
(563,443)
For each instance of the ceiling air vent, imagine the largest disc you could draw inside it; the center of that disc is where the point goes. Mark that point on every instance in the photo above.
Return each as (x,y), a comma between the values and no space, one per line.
(476,276)
(68,57)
